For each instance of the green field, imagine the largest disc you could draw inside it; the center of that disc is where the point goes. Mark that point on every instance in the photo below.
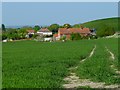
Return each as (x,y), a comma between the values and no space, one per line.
(97,68)
(45,64)
(98,24)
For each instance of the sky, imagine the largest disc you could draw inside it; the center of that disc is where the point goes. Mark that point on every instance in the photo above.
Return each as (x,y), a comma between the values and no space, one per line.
(60,0)
(47,13)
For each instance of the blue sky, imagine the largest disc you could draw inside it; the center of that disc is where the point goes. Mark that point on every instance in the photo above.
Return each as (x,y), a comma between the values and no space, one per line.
(33,13)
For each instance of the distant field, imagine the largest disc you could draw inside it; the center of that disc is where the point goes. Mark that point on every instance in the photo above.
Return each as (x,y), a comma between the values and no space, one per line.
(112,22)
(45,65)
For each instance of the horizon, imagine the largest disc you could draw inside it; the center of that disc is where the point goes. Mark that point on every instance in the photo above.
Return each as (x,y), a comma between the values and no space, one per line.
(19,26)
(45,14)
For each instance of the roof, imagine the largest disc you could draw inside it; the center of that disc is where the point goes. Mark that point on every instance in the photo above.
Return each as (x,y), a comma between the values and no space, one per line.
(30,31)
(55,35)
(74,30)
(44,30)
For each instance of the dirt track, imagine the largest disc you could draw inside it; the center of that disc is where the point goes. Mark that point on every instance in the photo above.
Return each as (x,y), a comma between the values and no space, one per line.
(74,81)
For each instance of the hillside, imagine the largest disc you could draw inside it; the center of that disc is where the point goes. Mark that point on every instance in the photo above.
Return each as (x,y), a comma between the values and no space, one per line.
(98,24)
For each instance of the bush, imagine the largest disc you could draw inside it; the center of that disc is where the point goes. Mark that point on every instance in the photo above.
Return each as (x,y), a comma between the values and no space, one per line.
(4,36)
(75,36)
(93,37)
(105,31)
(63,37)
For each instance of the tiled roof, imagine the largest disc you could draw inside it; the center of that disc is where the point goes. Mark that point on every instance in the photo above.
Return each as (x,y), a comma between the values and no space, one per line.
(44,30)
(30,31)
(55,35)
(74,30)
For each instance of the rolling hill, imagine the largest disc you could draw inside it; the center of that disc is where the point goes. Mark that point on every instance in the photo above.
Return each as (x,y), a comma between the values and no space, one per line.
(100,23)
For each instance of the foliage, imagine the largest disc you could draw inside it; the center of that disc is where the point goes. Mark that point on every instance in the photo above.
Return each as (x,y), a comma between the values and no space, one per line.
(4,36)
(93,37)
(105,31)
(36,28)
(3,28)
(67,25)
(63,38)
(27,27)
(22,30)
(14,34)
(75,36)
(98,24)
(76,26)
(34,36)
(53,28)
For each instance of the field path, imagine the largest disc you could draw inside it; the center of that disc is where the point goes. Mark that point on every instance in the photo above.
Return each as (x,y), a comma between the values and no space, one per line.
(112,56)
(90,55)
(73,81)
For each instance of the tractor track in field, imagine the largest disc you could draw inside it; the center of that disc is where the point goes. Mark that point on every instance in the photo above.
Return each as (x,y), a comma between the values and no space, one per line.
(73,81)
(112,57)
(90,55)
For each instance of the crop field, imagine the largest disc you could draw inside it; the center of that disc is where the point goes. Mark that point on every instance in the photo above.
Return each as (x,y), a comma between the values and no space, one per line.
(97,68)
(31,64)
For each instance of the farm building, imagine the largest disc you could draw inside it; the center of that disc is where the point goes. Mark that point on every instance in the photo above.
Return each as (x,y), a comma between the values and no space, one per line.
(30,32)
(44,35)
(55,37)
(45,32)
(68,31)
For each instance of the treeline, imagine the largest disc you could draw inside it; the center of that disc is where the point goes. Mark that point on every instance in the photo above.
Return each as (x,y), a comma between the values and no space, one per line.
(20,33)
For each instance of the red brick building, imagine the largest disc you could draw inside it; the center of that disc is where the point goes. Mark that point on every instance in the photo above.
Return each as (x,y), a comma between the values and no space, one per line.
(68,31)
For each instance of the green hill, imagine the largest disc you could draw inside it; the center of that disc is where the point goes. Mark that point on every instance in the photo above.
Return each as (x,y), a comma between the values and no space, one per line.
(99,24)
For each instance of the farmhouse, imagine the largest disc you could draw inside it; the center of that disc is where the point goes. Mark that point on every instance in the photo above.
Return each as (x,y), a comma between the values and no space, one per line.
(30,32)
(44,32)
(68,31)
(44,35)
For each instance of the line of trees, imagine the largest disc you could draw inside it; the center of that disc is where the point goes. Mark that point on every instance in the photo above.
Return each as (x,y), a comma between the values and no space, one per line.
(20,33)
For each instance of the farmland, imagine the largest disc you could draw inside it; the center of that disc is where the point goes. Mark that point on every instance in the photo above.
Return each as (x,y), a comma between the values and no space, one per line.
(98,66)
(98,24)
(44,65)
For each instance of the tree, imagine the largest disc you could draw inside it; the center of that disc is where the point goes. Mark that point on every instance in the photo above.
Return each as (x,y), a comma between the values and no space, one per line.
(75,36)
(76,26)
(3,27)
(54,28)
(27,27)
(105,30)
(63,38)
(12,34)
(67,25)
(36,28)
(4,36)
(22,33)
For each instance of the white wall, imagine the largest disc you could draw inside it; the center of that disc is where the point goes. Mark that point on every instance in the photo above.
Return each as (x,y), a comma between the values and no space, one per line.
(47,39)
(45,33)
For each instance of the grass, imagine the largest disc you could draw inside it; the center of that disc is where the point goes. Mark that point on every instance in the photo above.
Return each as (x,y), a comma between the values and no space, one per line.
(40,65)
(97,68)
(99,23)
(85,88)
(30,64)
